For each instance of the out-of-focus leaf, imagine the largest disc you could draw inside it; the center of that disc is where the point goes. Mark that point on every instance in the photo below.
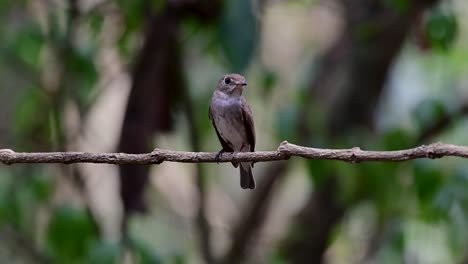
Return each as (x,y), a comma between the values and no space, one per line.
(19,207)
(397,240)
(21,191)
(238,33)
(427,180)
(9,209)
(126,44)
(441,29)
(144,255)
(158,5)
(277,258)
(380,182)
(428,111)
(178,259)
(133,12)
(454,191)
(133,21)
(268,82)
(30,123)
(41,186)
(320,169)
(393,243)
(203,122)
(286,123)
(69,234)
(27,107)
(84,72)
(5,185)
(367,30)
(3,6)
(95,20)
(400,6)
(27,45)
(56,29)
(104,253)
(397,139)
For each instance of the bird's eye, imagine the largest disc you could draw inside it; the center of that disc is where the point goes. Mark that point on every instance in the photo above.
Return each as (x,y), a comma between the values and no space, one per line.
(227,80)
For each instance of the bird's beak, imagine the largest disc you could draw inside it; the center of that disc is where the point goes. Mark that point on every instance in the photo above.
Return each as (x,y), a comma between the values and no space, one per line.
(244,83)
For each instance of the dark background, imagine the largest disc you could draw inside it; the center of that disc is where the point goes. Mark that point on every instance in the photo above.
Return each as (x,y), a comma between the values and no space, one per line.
(129,76)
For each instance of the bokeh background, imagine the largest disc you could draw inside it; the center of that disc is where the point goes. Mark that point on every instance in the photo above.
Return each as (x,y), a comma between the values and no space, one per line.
(129,76)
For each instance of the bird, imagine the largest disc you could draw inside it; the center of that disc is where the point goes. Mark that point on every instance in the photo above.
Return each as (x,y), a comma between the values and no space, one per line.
(232,119)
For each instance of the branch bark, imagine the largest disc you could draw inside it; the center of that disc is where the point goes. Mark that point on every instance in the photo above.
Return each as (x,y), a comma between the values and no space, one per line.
(284,152)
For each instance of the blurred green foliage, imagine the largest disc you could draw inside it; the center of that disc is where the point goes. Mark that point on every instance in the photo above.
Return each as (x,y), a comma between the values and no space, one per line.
(401,6)
(441,29)
(69,234)
(238,30)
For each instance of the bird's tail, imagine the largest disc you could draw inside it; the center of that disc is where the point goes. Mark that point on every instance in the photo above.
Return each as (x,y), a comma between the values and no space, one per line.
(247,180)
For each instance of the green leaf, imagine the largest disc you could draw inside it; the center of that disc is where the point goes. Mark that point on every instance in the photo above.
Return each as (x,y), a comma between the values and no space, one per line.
(5,199)
(178,259)
(453,191)
(41,187)
(366,31)
(84,75)
(238,33)
(124,43)
(104,253)
(19,207)
(441,29)
(95,21)
(372,182)
(27,45)
(401,6)
(133,12)
(286,123)
(26,111)
(21,191)
(144,255)
(319,170)
(201,102)
(427,180)
(69,234)
(397,139)
(56,30)
(428,111)
(269,81)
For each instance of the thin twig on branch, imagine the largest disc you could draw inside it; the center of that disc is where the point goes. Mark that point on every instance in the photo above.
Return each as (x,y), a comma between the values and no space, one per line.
(284,151)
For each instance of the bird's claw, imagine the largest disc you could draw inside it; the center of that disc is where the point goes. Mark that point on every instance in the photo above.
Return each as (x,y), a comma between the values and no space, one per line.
(220,153)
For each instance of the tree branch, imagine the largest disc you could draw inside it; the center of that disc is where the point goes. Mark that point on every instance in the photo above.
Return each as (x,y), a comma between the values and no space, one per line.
(284,152)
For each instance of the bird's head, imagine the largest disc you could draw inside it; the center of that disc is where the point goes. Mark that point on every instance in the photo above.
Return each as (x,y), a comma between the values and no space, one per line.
(232,84)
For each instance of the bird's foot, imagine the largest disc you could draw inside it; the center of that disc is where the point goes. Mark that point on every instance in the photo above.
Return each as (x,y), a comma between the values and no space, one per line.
(220,153)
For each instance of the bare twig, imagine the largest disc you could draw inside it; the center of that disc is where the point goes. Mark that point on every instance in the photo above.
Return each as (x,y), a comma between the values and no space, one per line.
(284,152)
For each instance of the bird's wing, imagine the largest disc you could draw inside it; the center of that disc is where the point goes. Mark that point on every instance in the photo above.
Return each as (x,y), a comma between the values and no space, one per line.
(248,123)
(224,143)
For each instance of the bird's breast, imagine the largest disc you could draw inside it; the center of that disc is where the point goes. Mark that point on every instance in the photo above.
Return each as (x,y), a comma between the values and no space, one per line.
(227,116)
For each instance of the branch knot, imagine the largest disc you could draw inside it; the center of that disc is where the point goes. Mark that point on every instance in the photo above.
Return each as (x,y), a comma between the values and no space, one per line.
(354,155)
(156,156)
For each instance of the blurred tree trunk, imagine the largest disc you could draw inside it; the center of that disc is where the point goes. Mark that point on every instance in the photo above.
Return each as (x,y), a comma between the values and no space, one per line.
(156,80)
(349,83)
(156,90)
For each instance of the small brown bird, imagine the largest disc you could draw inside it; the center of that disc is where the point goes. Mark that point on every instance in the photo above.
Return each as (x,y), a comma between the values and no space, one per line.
(233,122)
